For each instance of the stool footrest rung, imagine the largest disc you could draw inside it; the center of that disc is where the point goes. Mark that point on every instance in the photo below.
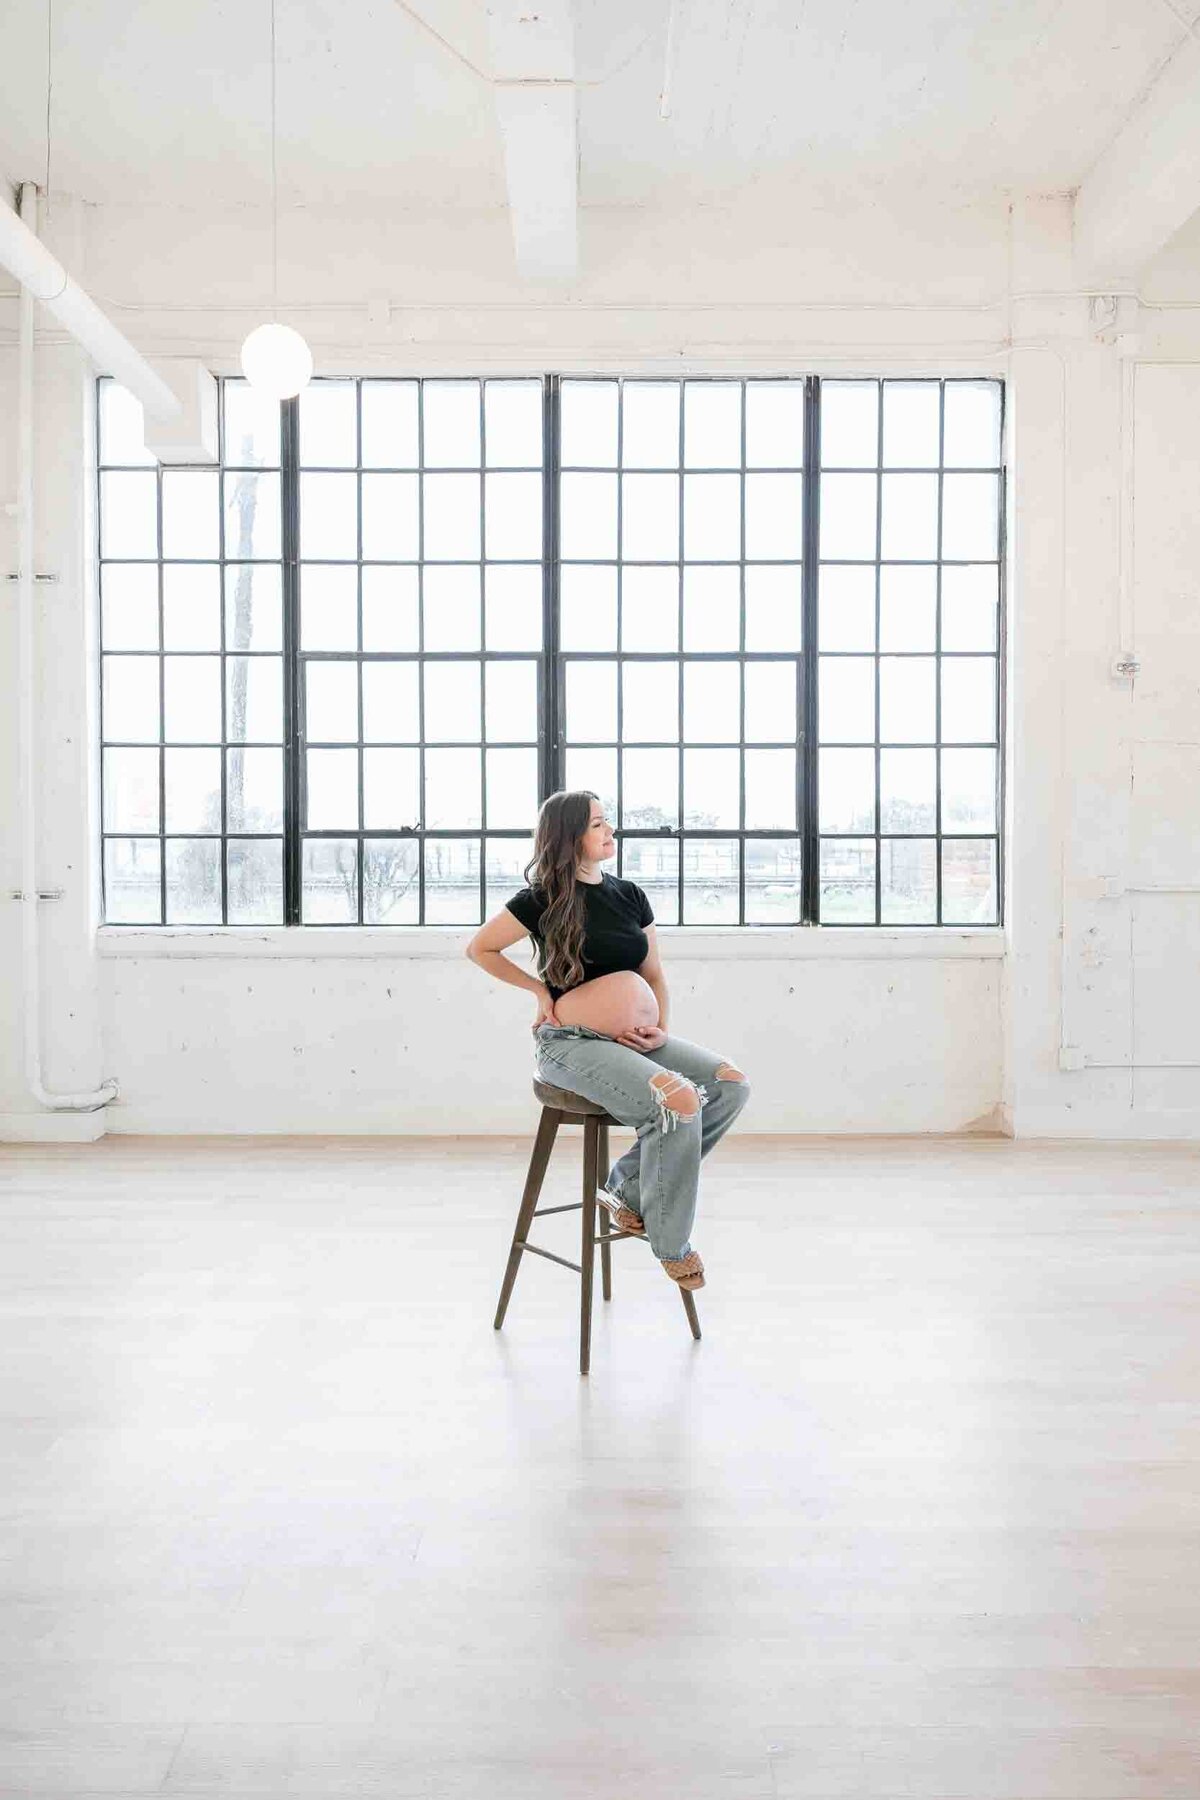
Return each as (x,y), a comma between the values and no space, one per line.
(540,1212)
(549,1254)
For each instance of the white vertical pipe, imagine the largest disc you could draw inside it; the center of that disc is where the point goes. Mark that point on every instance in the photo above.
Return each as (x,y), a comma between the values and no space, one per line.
(31,959)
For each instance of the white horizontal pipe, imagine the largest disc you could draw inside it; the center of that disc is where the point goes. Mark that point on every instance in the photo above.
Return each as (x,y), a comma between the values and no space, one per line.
(43,276)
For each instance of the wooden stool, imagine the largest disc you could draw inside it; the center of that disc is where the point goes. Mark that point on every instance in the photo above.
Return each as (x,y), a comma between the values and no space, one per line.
(559,1105)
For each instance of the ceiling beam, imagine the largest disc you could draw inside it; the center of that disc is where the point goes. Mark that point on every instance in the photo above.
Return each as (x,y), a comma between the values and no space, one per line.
(533,70)
(1147,183)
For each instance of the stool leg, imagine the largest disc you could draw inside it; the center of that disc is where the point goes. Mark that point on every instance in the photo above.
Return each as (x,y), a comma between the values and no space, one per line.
(587,1258)
(543,1144)
(689,1307)
(606,1224)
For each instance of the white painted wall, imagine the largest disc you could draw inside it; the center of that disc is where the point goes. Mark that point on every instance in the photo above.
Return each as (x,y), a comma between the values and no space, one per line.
(843,1032)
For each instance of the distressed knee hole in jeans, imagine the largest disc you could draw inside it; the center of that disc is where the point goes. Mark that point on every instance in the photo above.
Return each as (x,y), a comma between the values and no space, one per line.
(668,1083)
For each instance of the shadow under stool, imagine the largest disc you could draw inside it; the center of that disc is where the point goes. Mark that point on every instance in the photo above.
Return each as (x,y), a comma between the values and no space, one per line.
(559,1106)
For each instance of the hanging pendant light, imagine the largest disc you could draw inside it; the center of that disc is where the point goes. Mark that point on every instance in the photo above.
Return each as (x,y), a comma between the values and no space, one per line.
(276,361)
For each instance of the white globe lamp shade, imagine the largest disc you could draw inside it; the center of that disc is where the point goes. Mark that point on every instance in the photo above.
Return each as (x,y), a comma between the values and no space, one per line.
(276,361)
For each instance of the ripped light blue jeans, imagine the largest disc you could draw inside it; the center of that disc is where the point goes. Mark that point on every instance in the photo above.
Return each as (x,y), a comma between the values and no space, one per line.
(659,1175)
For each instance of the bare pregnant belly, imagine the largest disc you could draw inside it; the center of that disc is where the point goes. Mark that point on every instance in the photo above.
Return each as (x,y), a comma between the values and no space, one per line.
(611,1004)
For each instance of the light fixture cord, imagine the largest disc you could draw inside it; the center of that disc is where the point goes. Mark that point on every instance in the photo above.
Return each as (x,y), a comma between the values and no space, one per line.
(274,188)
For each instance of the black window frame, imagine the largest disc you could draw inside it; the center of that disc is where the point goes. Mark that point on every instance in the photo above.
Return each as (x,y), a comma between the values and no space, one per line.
(551,739)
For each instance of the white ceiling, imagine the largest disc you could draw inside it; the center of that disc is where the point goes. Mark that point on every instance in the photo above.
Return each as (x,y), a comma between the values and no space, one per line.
(167,101)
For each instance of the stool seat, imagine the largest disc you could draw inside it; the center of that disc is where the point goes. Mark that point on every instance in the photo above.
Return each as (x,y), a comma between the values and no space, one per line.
(561,1107)
(568,1102)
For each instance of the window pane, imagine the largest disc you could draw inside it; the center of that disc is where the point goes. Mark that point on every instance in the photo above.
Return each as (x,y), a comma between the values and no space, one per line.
(847,699)
(970,606)
(390,609)
(589,607)
(451,881)
(650,702)
(513,424)
(969,881)
(451,422)
(131,780)
(775,516)
(132,871)
(771,790)
(591,689)
(332,780)
(846,603)
(193,870)
(252,528)
(712,424)
(908,790)
(847,790)
(391,882)
(122,427)
(129,606)
(192,790)
(650,426)
(328,424)
(712,700)
(712,518)
(254,699)
(969,699)
(649,607)
(712,789)
(190,513)
(191,606)
(389,425)
(512,799)
(773,881)
(452,608)
(452,703)
(253,607)
(969,517)
(774,424)
(330,882)
(391,703)
(711,603)
(511,702)
(650,784)
(908,881)
(452,509)
(331,702)
(849,426)
(847,881)
(771,702)
(255,881)
(969,790)
(848,517)
(972,424)
(910,424)
(390,518)
(650,518)
(329,516)
(453,789)
(254,790)
(514,516)
(506,860)
(589,425)
(909,519)
(906,699)
(774,618)
(192,699)
(513,601)
(130,698)
(907,608)
(128,515)
(710,881)
(251,422)
(654,864)
(596,770)
(328,606)
(588,516)
(391,789)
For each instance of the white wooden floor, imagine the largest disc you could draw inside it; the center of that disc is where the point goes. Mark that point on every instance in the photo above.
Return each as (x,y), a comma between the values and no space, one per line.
(282,1515)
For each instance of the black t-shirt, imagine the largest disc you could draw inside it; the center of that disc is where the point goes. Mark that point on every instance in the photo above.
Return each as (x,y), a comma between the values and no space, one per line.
(613,938)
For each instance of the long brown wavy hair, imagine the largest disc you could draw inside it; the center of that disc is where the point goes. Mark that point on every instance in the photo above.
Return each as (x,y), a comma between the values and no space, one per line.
(551,872)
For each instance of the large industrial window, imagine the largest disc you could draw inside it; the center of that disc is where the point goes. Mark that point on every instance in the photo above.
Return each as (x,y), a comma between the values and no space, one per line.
(760,618)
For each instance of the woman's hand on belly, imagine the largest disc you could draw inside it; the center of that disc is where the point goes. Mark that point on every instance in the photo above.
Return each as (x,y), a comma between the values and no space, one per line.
(644,1037)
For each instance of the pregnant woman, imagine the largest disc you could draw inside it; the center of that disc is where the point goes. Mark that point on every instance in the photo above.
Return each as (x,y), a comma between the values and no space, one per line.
(602,1017)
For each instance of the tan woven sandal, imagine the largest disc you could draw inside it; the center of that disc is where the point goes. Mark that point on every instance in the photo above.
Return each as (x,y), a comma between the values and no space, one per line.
(687,1272)
(621,1216)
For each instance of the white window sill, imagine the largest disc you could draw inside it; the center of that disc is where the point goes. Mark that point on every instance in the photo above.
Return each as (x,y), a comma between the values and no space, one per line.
(681,943)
